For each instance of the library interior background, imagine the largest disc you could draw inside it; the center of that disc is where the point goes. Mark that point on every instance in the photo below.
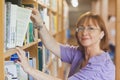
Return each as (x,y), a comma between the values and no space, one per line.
(60,17)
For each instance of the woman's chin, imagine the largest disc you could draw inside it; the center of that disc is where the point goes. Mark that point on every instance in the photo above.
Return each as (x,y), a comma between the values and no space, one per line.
(85,44)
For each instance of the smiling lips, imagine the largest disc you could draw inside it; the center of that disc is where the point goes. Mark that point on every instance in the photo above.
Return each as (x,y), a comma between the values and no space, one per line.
(84,39)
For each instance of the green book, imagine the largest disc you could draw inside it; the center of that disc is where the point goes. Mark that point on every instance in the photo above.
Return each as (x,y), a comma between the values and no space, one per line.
(40,56)
(31,35)
(40,59)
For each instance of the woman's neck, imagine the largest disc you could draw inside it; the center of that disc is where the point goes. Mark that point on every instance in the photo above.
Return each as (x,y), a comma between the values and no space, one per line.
(90,52)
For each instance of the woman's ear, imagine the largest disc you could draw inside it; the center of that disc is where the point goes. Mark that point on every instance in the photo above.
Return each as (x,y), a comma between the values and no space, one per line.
(102,34)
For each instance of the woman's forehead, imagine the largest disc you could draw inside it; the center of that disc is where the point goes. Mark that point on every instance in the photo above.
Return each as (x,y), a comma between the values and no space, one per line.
(89,21)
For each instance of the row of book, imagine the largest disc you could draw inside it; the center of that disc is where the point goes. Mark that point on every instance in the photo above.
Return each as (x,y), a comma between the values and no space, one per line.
(17,20)
(13,71)
(48,63)
(19,29)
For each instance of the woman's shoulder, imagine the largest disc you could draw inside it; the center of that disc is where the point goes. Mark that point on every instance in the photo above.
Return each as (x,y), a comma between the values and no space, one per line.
(102,61)
(101,66)
(103,57)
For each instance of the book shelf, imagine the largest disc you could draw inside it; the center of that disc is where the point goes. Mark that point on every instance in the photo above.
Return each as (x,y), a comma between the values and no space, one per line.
(33,46)
(2,39)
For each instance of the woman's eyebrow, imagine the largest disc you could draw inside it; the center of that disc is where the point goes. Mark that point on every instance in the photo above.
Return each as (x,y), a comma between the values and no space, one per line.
(81,25)
(91,25)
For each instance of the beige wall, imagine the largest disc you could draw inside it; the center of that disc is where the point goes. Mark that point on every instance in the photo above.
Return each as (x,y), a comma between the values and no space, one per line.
(111,22)
(111,9)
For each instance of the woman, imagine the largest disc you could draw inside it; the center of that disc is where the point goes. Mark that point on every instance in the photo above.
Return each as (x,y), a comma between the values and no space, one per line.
(89,61)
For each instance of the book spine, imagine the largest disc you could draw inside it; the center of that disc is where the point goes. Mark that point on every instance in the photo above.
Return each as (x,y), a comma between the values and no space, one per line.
(8,11)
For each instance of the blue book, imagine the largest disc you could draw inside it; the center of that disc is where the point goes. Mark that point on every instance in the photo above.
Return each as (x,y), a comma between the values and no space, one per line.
(15,57)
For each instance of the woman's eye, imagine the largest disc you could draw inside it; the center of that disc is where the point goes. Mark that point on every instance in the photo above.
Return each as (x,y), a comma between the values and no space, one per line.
(81,28)
(91,28)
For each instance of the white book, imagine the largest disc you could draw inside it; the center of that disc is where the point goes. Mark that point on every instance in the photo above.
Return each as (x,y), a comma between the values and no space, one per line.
(32,65)
(23,19)
(10,24)
(22,75)
(13,25)
(10,71)
(54,4)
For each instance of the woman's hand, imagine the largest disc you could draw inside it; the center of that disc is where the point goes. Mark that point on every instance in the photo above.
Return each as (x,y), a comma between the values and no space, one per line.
(36,19)
(23,60)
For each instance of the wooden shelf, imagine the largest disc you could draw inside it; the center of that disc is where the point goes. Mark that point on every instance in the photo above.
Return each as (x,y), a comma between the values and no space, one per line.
(8,53)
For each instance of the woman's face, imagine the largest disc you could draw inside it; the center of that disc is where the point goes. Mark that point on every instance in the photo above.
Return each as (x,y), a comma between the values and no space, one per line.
(89,34)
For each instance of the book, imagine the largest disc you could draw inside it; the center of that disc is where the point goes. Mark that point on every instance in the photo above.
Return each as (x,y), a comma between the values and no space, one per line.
(54,5)
(44,16)
(32,65)
(10,71)
(31,32)
(40,56)
(32,62)
(23,19)
(22,75)
(10,25)
(15,57)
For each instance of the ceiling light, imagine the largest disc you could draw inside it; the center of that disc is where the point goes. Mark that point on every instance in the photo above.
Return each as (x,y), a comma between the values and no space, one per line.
(74,3)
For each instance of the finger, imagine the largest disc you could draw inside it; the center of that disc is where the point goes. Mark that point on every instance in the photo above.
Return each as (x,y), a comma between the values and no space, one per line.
(30,8)
(33,16)
(19,55)
(35,11)
(21,52)
(19,62)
